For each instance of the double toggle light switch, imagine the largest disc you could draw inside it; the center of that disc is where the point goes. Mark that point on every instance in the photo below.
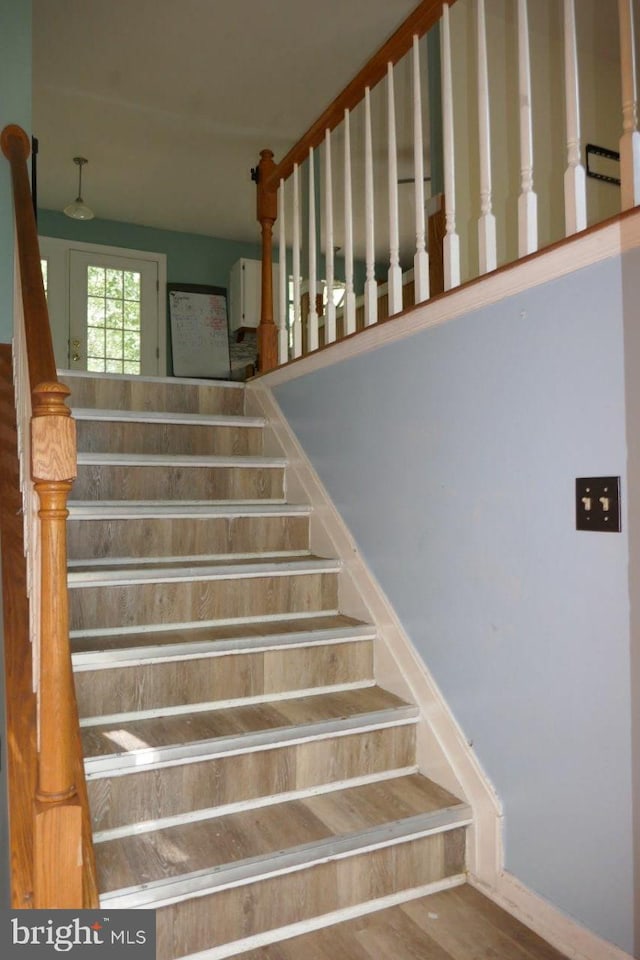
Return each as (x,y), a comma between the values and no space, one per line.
(598,504)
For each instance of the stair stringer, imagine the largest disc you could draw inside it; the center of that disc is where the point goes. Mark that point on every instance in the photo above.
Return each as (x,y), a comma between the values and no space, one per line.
(443,753)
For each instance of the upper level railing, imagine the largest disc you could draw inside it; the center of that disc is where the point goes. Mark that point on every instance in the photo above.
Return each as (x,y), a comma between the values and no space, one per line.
(63,869)
(508,93)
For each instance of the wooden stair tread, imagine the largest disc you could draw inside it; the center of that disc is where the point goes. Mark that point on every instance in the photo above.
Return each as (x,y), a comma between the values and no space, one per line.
(89,570)
(191,847)
(457,924)
(262,630)
(109,459)
(159,509)
(119,738)
(166,417)
(234,794)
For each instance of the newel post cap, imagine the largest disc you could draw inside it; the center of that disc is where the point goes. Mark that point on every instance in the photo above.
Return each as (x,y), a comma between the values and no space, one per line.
(13,137)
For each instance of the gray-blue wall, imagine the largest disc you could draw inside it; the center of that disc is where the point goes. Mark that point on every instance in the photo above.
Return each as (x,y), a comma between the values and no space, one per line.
(452,457)
(15,107)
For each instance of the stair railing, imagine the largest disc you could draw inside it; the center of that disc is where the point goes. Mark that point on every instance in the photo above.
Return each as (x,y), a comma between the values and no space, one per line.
(63,870)
(455,235)
(341,319)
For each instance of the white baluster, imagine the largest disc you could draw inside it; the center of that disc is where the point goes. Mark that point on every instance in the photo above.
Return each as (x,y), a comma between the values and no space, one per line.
(575,179)
(283,320)
(421,258)
(312,327)
(451,241)
(350,296)
(527,201)
(630,140)
(330,312)
(394,276)
(297,320)
(487,223)
(370,286)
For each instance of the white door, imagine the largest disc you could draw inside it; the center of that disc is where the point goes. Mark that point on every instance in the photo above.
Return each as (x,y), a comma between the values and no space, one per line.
(113,314)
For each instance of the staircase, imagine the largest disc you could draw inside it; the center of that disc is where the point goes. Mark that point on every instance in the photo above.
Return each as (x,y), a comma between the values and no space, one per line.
(245,771)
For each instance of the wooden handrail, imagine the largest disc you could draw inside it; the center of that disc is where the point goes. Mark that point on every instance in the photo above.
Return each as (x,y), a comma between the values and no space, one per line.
(419,22)
(61,877)
(16,147)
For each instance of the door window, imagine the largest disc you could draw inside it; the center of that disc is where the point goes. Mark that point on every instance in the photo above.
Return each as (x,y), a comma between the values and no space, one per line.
(113,314)
(113,320)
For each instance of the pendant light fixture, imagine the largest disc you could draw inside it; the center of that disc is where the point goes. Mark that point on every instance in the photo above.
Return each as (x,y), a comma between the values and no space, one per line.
(78,210)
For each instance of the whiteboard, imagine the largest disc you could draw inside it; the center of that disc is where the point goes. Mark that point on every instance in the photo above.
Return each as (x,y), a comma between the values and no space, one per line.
(199,331)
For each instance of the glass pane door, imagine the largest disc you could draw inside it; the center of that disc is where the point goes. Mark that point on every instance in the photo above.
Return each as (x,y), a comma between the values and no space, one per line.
(113,314)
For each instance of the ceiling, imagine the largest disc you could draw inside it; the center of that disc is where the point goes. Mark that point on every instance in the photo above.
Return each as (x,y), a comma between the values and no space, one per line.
(171,101)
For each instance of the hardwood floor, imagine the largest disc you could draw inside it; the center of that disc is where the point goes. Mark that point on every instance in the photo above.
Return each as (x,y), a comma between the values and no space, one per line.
(208,725)
(159,854)
(458,924)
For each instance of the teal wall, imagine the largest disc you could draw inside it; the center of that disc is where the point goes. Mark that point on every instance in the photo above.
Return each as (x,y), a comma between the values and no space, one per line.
(15,107)
(191,257)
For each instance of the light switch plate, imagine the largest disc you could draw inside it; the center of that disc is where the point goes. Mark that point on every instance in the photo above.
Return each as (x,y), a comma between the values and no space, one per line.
(598,504)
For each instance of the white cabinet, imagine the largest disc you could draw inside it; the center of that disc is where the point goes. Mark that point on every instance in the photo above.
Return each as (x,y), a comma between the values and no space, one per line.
(245,286)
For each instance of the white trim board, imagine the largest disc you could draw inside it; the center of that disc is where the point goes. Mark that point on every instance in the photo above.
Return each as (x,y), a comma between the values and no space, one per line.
(65,372)
(585,249)
(443,752)
(165,417)
(98,576)
(180,509)
(178,460)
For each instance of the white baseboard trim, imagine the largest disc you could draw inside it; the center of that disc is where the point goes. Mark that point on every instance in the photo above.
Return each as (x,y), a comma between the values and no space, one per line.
(563,933)
(443,752)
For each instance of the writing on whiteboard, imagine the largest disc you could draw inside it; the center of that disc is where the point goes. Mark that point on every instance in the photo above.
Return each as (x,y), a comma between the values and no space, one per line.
(199,334)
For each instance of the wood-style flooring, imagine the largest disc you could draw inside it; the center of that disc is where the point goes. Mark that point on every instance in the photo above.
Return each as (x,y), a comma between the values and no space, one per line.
(458,924)
(203,845)
(209,724)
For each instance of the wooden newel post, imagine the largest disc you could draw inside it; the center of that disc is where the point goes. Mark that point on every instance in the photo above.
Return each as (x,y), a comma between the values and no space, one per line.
(267,211)
(58,814)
